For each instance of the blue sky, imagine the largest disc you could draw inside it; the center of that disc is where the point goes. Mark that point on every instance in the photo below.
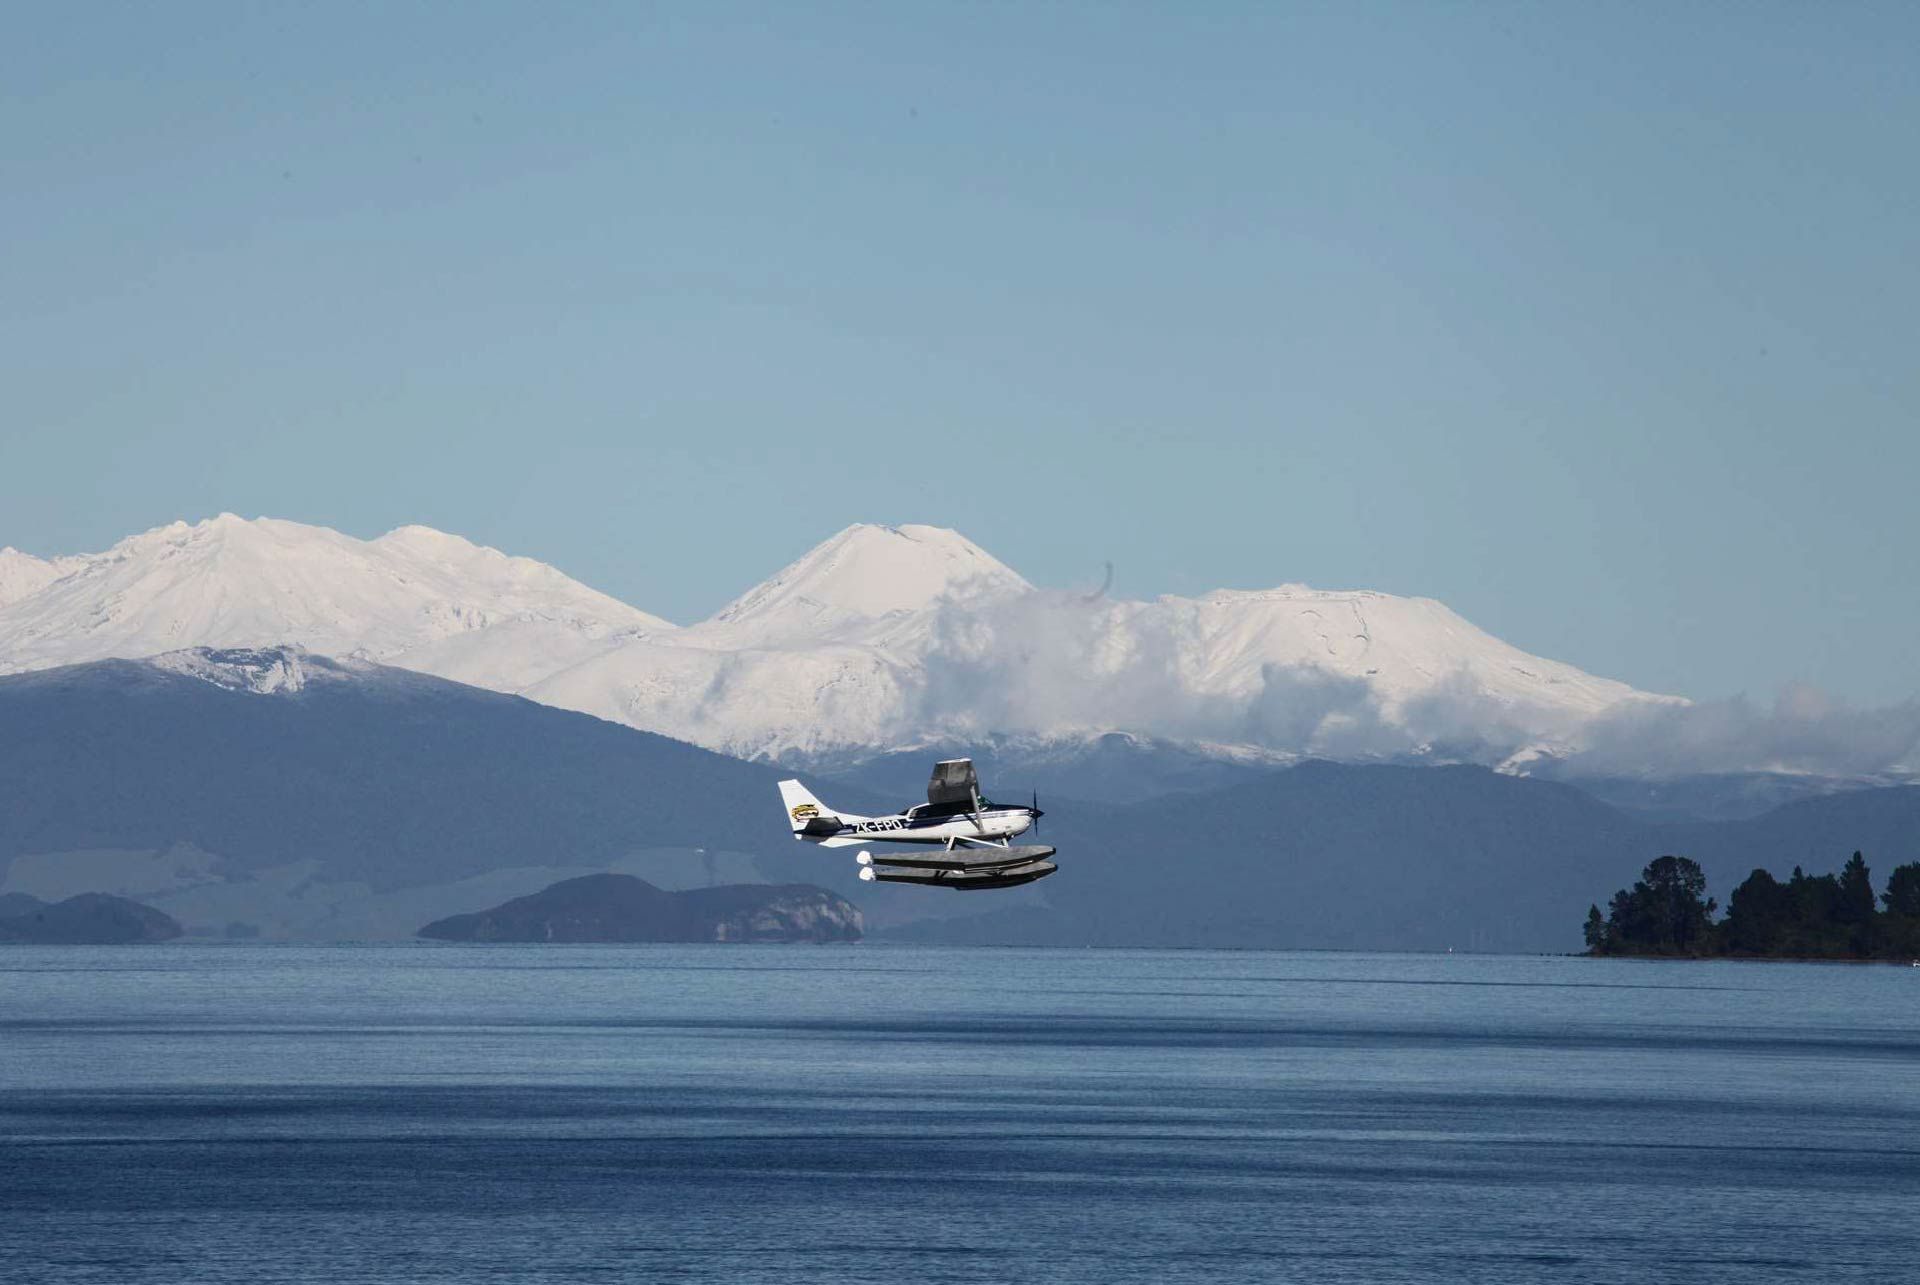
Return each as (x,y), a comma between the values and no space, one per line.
(1598,323)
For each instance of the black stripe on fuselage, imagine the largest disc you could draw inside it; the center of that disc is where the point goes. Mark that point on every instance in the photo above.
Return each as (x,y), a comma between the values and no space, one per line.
(920,823)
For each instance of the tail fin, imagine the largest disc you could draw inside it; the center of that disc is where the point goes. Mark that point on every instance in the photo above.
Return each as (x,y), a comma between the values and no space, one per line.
(809,817)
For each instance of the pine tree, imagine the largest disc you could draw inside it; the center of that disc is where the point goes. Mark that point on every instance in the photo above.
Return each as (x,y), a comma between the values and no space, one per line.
(1758,913)
(1856,892)
(1665,913)
(1902,896)
(1855,908)
(1596,932)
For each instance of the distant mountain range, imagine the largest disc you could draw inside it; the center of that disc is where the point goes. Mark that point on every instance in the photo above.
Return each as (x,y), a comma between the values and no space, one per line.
(229,582)
(880,639)
(277,793)
(1121,768)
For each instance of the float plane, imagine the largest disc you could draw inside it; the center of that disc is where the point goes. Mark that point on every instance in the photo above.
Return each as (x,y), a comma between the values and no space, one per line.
(973,834)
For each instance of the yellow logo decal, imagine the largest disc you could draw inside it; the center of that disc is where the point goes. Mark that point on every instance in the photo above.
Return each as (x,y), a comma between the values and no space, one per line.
(805,810)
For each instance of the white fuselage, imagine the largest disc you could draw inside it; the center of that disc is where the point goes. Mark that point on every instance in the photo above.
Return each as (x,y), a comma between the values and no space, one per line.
(991,825)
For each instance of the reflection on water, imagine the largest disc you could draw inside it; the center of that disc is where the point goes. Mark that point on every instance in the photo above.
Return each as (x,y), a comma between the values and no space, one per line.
(259,1113)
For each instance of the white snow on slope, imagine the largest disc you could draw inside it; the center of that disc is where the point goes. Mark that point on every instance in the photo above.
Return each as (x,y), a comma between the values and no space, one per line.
(228,582)
(879,638)
(1402,647)
(752,702)
(858,583)
(820,657)
(883,638)
(22,574)
(264,671)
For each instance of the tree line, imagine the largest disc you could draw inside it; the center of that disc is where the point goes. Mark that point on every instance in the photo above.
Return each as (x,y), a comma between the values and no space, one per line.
(1667,912)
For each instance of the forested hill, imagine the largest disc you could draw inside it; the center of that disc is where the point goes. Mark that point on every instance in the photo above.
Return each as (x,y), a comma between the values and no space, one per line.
(1834,916)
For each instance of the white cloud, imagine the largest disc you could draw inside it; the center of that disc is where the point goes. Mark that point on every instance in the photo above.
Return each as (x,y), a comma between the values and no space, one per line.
(1804,731)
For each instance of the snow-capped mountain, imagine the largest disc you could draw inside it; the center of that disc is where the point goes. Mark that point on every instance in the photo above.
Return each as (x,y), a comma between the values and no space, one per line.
(228,582)
(880,638)
(22,573)
(856,584)
(885,638)
(824,657)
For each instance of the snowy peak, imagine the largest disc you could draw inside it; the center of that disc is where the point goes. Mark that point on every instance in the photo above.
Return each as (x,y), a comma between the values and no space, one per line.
(230,582)
(864,574)
(428,541)
(1402,648)
(22,574)
(453,557)
(879,638)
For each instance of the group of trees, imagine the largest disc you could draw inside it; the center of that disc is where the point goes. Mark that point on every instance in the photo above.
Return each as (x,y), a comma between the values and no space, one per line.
(1667,912)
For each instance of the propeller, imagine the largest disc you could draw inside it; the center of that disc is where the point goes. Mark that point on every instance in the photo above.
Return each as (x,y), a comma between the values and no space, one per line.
(1037,813)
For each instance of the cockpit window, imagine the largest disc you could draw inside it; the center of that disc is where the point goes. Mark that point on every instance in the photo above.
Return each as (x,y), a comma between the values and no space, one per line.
(942,809)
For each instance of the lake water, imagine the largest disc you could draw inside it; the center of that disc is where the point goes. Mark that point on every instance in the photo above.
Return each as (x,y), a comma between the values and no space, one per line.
(894,1114)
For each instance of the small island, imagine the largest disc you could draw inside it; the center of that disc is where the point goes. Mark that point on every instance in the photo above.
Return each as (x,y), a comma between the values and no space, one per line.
(1667,913)
(621,908)
(90,919)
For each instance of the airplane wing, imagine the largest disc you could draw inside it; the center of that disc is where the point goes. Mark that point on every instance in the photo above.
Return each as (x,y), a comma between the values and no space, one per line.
(953,781)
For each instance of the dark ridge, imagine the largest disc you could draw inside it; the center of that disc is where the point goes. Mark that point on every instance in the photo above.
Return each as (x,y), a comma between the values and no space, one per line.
(621,908)
(18,903)
(386,777)
(90,919)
